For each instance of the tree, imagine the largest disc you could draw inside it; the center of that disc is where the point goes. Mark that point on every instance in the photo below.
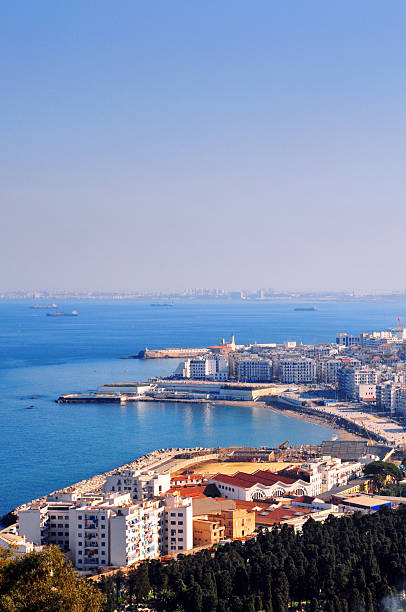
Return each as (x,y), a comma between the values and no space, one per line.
(141,582)
(45,582)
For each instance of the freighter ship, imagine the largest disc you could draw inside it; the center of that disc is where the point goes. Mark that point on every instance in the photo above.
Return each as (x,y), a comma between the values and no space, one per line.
(74,313)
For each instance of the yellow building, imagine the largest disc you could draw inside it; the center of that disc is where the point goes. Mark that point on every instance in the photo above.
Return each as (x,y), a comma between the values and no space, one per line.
(237,523)
(207,531)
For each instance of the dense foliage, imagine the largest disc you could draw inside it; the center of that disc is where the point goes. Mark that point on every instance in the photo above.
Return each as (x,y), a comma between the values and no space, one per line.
(383,473)
(44,582)
(349,564)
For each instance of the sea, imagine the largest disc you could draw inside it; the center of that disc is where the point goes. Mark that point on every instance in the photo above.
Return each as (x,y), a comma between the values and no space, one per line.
(52,445)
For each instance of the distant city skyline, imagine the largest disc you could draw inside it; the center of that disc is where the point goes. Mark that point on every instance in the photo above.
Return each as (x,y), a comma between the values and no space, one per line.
(242,293)
(160,145)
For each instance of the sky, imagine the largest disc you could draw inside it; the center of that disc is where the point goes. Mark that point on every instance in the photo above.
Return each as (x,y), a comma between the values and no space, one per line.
(162,145)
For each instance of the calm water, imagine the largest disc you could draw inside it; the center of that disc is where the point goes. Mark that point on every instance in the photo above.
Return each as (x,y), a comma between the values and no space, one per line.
(54,445)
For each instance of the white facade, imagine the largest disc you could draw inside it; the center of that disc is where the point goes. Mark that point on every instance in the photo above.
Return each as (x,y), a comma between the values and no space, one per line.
(208,367)
(257,491)
(391,396)
(135,533)
(141,486)
(297,370)
(336,473)
(327,371)
(349,380)
(89,538)
(253,370)
(178,524)
(103,532)
(33,524)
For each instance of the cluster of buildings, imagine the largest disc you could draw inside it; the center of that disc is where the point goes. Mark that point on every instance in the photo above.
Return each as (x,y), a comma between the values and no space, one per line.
(369,367)
(139,515)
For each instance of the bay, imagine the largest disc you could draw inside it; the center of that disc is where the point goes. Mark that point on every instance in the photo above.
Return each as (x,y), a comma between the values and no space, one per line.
(53,445)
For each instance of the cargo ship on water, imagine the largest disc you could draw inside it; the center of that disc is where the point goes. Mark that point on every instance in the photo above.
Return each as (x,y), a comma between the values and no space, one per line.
(44,306)
(74,313)
(305,308)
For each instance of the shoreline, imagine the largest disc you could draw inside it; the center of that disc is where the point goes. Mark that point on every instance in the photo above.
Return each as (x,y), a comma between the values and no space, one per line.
(343,433)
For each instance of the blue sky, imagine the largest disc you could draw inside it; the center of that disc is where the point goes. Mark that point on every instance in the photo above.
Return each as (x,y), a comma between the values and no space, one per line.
(179,144)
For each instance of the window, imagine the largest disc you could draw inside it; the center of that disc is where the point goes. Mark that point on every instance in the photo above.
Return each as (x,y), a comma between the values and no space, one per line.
(173,522)
(80,543)
(180,513)
(103,535)
(103,543)
(103,552)
(80,552)
(103,561)
(180,539)
(103,518)
(79,526)
(103,526)
(180,531)
(180,522)
(80,517)
(173,513)
(80,561)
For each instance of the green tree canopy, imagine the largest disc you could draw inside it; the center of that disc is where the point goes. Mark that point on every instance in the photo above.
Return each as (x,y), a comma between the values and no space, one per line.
(45,582)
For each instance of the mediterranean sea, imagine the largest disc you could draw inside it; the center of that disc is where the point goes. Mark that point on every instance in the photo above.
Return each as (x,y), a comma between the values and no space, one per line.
(54,445)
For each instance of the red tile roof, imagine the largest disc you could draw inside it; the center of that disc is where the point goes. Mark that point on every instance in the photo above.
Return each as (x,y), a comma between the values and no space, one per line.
(246,481)
(191,490)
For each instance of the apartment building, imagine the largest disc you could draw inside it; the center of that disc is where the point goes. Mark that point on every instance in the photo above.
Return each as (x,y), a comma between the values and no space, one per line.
(253,369)
(358,383)
(391,396)
(141,486)
(97,532)
(344,339)
(207,531)
(238,523)
(178,534)
(208,367)
(297,370)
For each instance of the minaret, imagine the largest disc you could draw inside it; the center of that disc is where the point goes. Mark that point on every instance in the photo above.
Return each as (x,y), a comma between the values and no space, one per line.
(232,343)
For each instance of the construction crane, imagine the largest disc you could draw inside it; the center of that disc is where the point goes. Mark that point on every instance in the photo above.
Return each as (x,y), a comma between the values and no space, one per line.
(400,324)
(282,446)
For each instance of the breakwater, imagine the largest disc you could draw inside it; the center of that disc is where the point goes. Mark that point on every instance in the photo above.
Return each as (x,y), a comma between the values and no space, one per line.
(163,460)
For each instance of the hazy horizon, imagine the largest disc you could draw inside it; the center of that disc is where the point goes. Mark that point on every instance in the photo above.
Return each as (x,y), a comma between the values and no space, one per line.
(217,145)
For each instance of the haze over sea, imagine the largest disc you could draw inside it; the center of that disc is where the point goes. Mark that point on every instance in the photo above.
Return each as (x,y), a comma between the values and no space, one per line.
(54,445)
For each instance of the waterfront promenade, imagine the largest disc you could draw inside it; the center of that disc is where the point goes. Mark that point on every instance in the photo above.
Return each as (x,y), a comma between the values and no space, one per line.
(385,428)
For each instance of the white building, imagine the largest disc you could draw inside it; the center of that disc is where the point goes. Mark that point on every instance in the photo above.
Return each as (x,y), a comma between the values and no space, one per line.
(208,367)
(260,485)
(97,532)
(178,524)
(141,486)
(391,396)
(344,339)
(135,533)
(253,370)
(352,380)
(297,370)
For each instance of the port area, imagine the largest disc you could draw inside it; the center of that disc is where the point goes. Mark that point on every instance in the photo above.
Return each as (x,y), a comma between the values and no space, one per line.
(351,420)
(169,390)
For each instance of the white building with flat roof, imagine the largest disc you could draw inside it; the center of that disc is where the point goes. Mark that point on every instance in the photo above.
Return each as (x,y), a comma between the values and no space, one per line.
(141,486)
(253,369)
(178,535)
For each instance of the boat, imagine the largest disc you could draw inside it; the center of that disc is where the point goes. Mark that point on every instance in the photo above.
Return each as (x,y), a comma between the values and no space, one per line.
(30,407)
(44,306)
(74,313)
(305,308)
(161,304)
